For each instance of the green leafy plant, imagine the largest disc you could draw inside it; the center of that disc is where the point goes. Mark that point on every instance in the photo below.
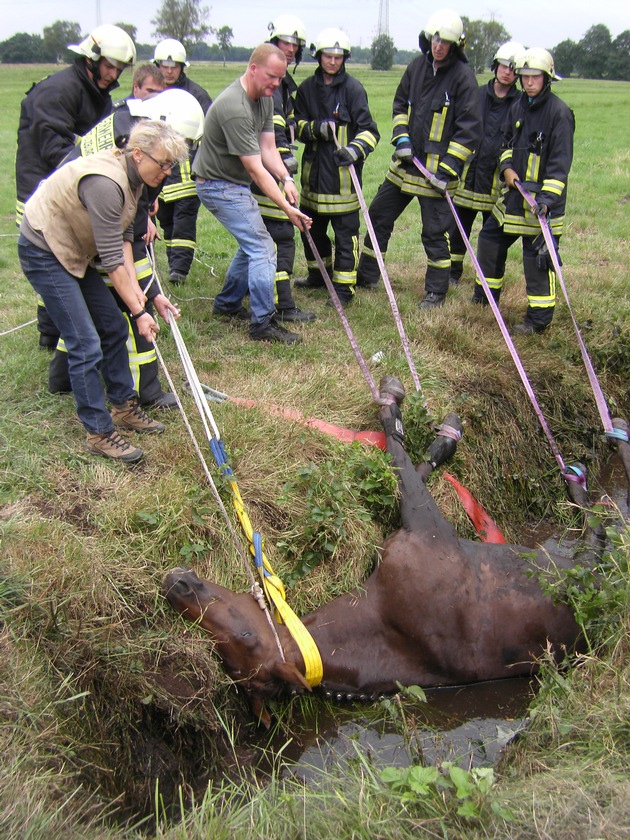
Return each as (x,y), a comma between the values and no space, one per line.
(361,480)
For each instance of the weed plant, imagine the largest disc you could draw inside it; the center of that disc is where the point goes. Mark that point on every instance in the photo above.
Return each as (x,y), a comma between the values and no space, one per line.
(115,718)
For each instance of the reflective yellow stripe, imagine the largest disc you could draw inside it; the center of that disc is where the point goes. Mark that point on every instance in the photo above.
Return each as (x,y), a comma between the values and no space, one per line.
(458,151)
(551,185)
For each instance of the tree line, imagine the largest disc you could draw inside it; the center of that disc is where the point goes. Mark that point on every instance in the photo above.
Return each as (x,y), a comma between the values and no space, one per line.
(596,56)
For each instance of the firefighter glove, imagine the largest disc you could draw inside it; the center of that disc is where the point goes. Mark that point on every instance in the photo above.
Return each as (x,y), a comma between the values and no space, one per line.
(291,163)
(324,130)
(345,156)
(438,184)
(403,151)
(540,209)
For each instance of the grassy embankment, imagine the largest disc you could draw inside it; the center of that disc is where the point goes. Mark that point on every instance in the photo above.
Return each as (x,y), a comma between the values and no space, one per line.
(104,691)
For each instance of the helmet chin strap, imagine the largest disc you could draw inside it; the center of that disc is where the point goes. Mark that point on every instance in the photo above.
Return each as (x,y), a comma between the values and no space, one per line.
(93,68)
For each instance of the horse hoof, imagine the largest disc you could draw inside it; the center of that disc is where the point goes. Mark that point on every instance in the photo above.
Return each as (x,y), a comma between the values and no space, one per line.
(391,390)
(445,444)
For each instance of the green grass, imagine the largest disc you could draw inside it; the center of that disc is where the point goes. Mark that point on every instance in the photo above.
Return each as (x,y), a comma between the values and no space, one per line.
(107,697)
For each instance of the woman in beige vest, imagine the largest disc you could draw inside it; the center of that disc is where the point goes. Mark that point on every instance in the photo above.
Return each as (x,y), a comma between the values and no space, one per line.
(83,209)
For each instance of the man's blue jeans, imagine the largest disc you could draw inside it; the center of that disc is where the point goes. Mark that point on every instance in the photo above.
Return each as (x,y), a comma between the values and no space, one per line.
(94,331)
(253,267)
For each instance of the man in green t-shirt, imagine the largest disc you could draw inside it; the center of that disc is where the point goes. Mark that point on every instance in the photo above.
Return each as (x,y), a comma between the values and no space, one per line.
(238,147)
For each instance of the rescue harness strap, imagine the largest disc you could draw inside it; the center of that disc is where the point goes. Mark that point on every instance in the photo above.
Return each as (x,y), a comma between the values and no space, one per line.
(381,264)
(566,474)
(611,432)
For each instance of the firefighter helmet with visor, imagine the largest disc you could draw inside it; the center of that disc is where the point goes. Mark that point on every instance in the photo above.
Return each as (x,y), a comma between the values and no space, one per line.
(536,60)
(109,42)
(170,52)
(508,55)
(332,41)
(288,28)
(446,25)
(176,107)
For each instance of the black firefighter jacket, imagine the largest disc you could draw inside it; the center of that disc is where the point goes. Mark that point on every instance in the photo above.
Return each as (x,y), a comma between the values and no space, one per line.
(53,115)
(481,186)
(326,187)
(538,146)
(439,111)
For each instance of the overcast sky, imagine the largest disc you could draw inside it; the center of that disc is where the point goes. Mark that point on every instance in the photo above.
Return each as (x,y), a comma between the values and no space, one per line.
(533,22)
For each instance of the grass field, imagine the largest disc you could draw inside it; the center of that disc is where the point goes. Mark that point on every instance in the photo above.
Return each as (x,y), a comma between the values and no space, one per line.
(111,707)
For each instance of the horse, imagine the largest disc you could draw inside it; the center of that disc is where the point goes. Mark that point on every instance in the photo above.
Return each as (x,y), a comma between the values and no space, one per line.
(438,609)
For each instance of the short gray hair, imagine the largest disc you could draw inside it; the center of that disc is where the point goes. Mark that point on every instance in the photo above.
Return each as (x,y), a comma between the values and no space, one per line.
(153,136)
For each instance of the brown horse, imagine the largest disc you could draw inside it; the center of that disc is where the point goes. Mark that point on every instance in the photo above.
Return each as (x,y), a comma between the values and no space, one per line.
(438,610)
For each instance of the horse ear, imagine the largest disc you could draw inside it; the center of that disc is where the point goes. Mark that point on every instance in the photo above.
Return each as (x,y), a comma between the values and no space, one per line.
(289,673)
(260,712)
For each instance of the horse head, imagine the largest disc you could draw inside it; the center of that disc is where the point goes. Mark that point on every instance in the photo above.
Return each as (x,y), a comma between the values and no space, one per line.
(240,630)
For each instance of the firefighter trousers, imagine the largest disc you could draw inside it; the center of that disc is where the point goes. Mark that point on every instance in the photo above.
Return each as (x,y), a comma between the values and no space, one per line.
(540,278)
(386,207)
(179,224)
(283,234)
(346,253)
(467,216)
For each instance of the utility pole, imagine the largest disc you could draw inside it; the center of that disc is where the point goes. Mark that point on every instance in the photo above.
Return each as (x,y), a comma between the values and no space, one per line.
(98,12)
(383,18)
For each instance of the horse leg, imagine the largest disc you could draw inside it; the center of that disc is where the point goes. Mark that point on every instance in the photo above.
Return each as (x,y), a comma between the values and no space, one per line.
(418,509)
(623,448)
(593,538)
(443,447)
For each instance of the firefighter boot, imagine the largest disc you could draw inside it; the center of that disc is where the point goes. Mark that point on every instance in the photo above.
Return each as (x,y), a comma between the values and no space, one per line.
(286,310)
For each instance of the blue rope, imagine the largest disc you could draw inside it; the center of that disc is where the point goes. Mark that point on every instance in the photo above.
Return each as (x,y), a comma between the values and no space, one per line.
(618,434)
(258,552)
(218,450)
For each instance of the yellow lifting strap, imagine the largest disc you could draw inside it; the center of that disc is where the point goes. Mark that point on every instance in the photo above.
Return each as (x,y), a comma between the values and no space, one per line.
(274,590)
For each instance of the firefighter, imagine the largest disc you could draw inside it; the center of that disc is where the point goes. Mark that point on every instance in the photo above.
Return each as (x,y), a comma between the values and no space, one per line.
(61,108)
(289,35)
(481,187)
(182,112)
(435,118)
(178,202)
(330,104)
(537,150)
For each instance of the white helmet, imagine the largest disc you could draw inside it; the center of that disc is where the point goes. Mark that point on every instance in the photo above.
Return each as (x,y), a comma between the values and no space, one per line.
(288,28)
(110,42)
(536,60)
(176,108)
(331,41)
(170,52)
(508,54)
(447,25)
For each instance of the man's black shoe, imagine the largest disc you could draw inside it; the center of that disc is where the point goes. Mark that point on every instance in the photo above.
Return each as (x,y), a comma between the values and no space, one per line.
(345,302)
(240,314)
(274,332)
(295,315)
(367,284)
(178,279)
(432,300)
(165,401)
(311,281)
(526,328)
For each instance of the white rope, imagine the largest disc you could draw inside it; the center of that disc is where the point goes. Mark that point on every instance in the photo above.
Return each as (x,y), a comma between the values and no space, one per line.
(19,327)
(204,410)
